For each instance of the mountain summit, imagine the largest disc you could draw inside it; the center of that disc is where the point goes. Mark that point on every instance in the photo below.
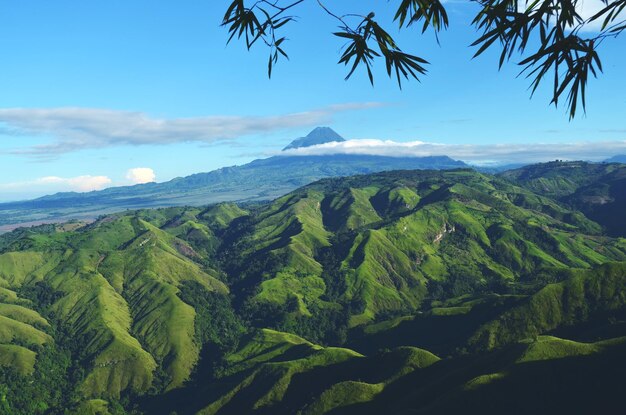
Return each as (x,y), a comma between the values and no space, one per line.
(320,135)
(263,179)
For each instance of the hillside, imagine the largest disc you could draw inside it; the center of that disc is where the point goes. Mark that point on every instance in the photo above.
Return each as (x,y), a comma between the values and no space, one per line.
(597,190)
(383,244)
(263,179)
(617,159)
(396,290)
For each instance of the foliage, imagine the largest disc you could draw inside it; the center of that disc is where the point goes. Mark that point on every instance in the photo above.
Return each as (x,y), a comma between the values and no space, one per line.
(216,322)
(550,36)
(324,300)
(597,190)
(47,391)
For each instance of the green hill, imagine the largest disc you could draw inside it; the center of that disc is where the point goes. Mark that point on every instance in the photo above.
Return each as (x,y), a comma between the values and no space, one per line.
(405,290)
(597,190)
(112,287)
(483,323)
(275,372)
(337,245)
(546,375)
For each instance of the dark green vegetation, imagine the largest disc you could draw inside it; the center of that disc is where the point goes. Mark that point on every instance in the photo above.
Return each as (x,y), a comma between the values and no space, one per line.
(262,179)
(597,190)
(408,291)
(540,36)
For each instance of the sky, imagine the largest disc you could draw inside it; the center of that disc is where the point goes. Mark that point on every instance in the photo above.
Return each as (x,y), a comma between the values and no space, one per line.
(98,94)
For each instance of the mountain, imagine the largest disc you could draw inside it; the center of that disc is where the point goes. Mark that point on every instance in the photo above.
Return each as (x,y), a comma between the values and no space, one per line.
(320,135)
(434,291)
(499,168)
(263,179)
(596,189)
(617,159)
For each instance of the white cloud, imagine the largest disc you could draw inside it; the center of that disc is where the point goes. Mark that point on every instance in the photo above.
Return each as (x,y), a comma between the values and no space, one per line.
(140,175)
(81,128)
(589,8)
(586,9)
(482,154)
(80,183)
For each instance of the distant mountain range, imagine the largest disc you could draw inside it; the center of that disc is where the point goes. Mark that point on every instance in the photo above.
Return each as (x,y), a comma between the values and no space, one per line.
(617,159)
(262,179)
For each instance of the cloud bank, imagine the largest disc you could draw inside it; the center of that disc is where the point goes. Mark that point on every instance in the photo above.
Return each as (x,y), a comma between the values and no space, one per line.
(480,154)
(140,175)
(74,129)
(28,189)
(586,9)
(80,183)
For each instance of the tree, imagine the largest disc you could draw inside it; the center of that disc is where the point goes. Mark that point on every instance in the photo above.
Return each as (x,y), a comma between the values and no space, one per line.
(548,36)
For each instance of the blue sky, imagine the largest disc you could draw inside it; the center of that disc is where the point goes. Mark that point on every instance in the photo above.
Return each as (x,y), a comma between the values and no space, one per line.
(91,90)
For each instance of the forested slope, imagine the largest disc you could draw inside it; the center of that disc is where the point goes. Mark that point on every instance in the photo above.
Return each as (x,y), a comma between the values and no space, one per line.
(406,290)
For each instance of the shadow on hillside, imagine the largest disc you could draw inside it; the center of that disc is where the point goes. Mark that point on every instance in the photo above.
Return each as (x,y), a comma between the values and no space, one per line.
(593,384)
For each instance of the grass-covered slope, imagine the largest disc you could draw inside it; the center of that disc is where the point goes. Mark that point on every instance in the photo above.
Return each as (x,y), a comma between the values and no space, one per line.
(275,372)
(543,376)
(558,178)
(423,290)
(478,324)
(582,296)
(382,244)
(113,287)
(278,373)
(274,254)
(23,331)
(598,190)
